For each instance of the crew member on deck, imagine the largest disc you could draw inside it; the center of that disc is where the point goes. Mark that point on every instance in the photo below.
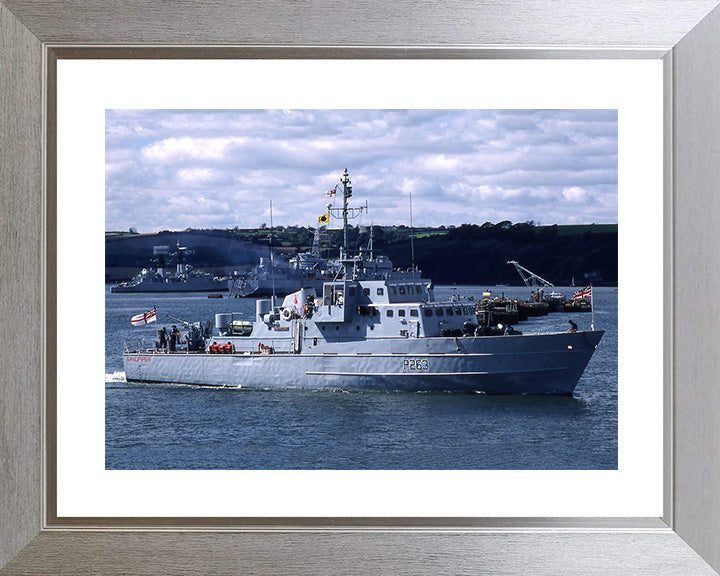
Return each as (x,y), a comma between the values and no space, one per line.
(573,326)
(162,333)
(174,335)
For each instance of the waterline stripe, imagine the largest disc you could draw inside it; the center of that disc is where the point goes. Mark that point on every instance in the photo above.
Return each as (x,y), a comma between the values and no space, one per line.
(423,373)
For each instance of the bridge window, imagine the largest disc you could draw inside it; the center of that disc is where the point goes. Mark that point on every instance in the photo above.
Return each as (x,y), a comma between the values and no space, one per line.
(439,312)
(449,311)
(380,291)
(401,312)
(401,289)
(428,311)
(389,313)
(366,291)
(458,311)
(414,312)
(410,289)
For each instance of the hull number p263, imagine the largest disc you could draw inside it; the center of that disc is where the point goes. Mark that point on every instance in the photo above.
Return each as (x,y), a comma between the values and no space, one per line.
(416,365)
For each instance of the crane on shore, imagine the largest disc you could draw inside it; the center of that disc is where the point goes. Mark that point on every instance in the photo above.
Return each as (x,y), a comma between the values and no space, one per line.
(530,278)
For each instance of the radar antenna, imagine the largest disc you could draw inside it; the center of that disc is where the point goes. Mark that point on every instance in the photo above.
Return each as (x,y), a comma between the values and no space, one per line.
(530,278)
(346,212)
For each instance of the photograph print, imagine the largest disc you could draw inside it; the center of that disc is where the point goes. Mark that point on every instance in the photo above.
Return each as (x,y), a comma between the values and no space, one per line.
(317,289)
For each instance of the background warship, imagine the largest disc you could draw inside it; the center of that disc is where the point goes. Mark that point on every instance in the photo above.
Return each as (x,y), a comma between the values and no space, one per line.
(160,279)
(280,275)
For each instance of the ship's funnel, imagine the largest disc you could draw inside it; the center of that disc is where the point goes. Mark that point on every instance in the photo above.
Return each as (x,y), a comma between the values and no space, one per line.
(161,252)
(222,322)
(262,307)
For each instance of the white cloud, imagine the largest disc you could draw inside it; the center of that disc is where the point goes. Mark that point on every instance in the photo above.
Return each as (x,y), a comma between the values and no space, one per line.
(461,166)
(195,175)
(189,148)
(574,194)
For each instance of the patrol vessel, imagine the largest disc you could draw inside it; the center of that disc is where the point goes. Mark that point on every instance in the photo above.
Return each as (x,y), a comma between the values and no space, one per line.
(365,333)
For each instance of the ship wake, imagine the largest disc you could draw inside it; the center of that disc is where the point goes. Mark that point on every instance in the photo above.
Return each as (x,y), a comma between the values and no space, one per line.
(118,376)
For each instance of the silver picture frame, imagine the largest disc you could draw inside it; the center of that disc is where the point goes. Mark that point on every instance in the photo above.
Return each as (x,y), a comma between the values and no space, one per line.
(685,34)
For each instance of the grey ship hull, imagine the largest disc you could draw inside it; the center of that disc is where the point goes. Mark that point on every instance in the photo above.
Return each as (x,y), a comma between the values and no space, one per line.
(520,364)
(262,287)
(192,285)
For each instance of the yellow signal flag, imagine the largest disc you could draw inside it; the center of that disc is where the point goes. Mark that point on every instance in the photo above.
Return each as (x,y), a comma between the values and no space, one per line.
(324,219)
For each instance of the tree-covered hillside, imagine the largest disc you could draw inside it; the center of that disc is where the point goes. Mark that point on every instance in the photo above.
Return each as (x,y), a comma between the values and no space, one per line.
(471,254)
(467,254)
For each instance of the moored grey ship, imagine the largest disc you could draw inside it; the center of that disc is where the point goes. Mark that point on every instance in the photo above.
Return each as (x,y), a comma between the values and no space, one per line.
(159,279)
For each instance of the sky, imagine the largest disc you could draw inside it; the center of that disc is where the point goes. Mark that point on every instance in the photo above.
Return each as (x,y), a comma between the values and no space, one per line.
(178,169)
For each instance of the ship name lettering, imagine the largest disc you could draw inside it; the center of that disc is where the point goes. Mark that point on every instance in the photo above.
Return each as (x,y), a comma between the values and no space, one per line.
(416,365)
(139,358)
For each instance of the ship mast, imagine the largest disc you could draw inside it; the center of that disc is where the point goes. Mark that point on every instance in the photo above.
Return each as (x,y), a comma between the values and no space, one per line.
(347,192)
(346,212)
(272,257)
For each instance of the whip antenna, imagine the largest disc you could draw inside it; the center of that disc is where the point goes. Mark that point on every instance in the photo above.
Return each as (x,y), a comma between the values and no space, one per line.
(272,258)
(412,240)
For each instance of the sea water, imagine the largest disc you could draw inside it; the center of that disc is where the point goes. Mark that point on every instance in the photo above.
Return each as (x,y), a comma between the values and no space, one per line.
(152,426)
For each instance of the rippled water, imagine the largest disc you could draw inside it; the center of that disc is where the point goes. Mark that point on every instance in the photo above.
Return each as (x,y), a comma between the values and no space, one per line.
(181,427)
